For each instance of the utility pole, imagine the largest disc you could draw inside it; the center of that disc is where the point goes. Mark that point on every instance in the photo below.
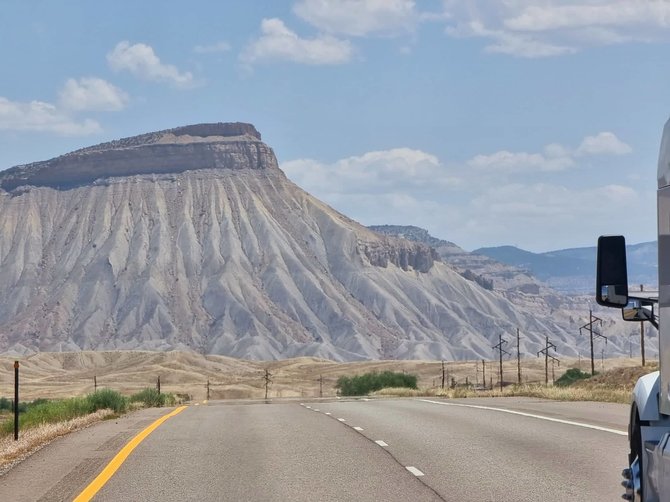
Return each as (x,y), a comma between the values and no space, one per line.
(158,384)
(16,400)
(518,357)
(207,389)
(320,385)
(553,376)
(642,332)
(548,345)
(443,374)
(589,326)
(484,373)
(268,381)
(501,351)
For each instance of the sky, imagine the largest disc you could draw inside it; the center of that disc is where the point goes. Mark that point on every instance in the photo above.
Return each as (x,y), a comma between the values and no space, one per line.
(512,122)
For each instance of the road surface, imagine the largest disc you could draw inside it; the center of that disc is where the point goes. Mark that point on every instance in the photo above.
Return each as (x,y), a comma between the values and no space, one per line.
(363,450)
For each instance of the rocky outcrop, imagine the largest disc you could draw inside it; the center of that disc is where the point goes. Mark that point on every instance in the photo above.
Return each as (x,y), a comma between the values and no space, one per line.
(201,146)
(403,254)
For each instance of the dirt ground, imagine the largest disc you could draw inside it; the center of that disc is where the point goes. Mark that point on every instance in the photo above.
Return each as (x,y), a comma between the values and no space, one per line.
(66,374)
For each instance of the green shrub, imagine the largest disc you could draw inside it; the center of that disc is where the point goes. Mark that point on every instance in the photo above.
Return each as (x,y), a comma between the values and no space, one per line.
(571,376)
(48,412)
(150,397)
(43,411)
(361,385)
(107,399)
(5,404)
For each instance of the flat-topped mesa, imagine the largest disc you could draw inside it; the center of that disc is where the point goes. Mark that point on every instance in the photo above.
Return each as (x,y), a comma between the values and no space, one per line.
(201,146)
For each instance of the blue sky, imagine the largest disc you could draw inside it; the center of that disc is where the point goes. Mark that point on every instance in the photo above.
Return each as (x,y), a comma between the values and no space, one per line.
(532,123)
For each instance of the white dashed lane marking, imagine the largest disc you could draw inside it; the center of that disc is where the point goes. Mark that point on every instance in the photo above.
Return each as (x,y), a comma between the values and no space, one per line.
(414,470)
(381,443)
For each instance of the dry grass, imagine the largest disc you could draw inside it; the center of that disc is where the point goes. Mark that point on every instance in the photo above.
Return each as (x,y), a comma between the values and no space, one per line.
(55,375)
(31,440)
(528,390)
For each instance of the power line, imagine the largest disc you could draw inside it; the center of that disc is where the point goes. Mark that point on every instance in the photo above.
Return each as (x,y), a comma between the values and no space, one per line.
(589,326)
(547,346)
(501,351)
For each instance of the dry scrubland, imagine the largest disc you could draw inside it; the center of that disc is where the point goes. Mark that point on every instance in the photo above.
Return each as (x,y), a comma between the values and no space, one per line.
(53,375)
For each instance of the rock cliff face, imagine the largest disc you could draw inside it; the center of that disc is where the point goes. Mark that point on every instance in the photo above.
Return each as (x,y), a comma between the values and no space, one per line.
(202,146)
(193,238)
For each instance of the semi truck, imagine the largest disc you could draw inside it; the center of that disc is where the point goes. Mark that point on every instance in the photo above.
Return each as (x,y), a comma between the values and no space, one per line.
(647,476)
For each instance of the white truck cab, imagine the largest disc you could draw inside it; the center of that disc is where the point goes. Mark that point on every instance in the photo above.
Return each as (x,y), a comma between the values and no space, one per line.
(647,477)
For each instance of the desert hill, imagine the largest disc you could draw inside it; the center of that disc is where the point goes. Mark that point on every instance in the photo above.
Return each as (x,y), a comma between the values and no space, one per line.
(193,239)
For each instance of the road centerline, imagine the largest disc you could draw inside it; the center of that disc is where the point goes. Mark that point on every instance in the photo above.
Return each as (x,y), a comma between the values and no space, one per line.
(101,479)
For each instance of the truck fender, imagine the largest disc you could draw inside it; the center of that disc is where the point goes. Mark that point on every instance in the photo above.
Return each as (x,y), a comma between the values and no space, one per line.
(645,395)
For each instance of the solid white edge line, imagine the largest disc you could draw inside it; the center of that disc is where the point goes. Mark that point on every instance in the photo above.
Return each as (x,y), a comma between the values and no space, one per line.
(381,443)
(414,470)
(531,415)
(358,429)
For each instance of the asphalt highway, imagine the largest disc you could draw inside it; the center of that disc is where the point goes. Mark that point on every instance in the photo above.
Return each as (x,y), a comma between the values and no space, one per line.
(362,450)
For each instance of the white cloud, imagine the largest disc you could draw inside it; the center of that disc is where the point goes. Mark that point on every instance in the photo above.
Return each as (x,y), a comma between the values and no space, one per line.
(93,94)
(39,116)
(520,161)
(384,171)
(604,143)
(527,28)
(141,61)
(278,43)
(506,42)
(213,48)
(555,157)
(359,17)
(585,14)
(503,198)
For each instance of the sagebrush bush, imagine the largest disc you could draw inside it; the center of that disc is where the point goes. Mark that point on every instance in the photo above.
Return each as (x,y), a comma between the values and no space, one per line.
(107,399)
(361,385)
(571,376)
(151,397)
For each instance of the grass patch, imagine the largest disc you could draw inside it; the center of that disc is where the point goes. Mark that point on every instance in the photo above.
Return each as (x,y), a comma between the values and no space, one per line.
(571,376)
(42,411)
(150,397)
(362,385)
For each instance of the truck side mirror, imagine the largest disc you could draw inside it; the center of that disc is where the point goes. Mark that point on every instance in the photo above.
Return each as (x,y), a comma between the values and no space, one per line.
(611,272)
(636,311)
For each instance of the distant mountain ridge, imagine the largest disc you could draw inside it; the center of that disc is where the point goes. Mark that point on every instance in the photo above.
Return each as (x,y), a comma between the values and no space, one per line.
(573,270)
(569,271)
(567,299)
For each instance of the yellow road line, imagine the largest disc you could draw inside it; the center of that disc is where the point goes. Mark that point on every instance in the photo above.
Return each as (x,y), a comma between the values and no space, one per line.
(95,486)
